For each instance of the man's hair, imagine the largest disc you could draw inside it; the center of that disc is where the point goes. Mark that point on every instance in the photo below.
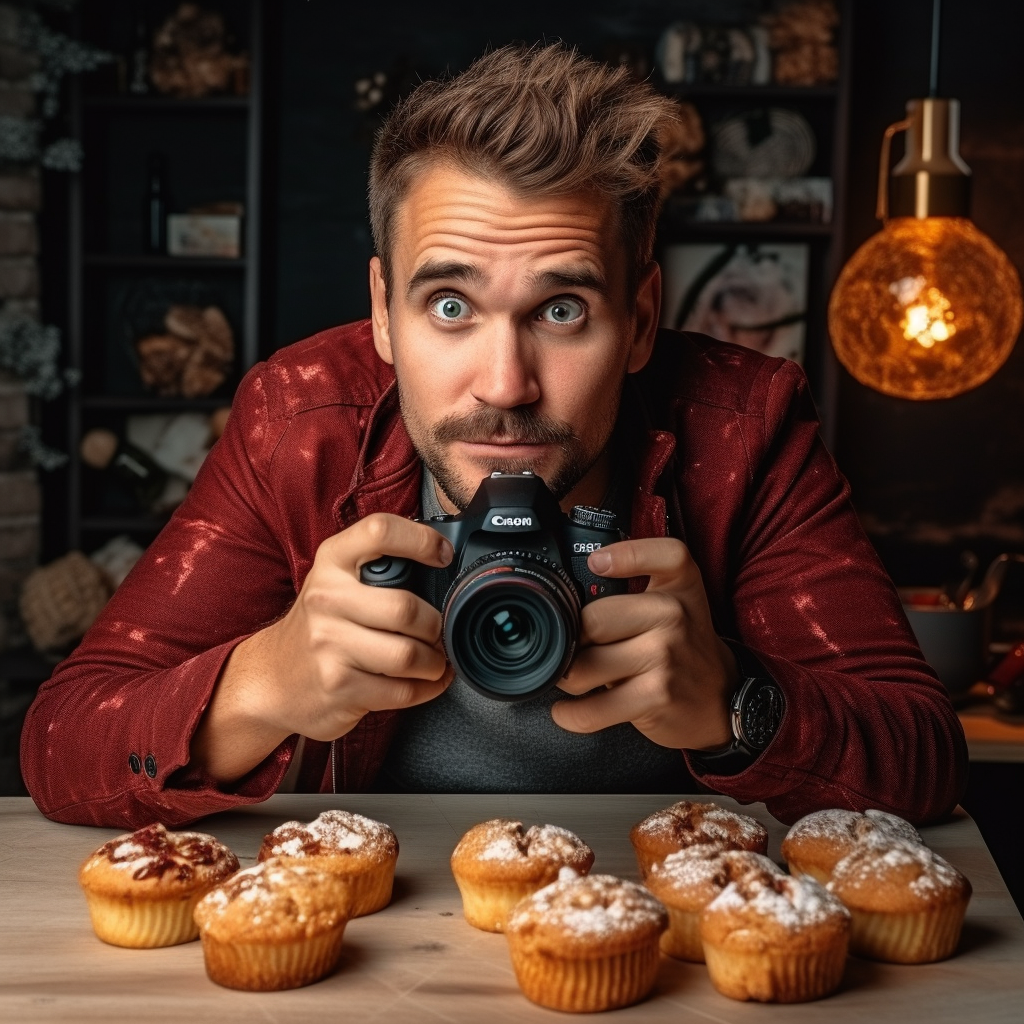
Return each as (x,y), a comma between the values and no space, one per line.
(539,120)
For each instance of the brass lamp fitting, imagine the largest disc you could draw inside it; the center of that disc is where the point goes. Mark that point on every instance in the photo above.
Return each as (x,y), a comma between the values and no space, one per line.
(932,179)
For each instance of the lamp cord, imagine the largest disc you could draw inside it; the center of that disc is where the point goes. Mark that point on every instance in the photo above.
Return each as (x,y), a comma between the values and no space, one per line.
(933,80)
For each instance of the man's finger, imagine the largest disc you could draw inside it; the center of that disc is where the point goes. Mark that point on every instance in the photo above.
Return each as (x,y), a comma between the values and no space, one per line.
(602,666)
(390,610)
(388,654)
(384,534)
(366,691)
(627,615)
(598,710)
(664,559)
(393,694)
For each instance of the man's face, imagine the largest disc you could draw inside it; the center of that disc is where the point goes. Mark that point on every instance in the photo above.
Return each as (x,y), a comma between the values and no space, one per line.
(511,330)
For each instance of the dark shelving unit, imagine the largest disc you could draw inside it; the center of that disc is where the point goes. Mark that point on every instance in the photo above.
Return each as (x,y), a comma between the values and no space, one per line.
(827,108)
(213,141)
(146,261)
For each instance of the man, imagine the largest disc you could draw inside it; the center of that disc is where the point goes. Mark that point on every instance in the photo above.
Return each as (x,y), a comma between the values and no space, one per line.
(514,326)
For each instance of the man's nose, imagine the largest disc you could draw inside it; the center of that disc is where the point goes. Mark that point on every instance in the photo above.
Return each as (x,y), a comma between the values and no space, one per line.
(506,374)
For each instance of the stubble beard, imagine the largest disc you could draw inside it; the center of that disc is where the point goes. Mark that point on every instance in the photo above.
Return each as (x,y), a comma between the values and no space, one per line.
(489,424)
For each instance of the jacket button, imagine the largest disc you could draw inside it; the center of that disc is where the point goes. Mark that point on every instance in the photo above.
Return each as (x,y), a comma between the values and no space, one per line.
(151,766)
(134,763)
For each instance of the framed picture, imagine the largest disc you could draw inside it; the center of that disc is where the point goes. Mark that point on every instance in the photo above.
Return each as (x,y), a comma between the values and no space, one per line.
(752,294)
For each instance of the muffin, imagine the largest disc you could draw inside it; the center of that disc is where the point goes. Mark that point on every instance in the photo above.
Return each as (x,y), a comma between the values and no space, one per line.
(775,938)
(908,904)
(142,886)
(273,926)
(362,850)
(496,864)
(687,881)
(688,823)
(818,841)
(586,943)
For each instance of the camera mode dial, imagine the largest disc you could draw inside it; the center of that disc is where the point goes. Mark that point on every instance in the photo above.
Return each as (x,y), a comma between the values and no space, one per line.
(596,518)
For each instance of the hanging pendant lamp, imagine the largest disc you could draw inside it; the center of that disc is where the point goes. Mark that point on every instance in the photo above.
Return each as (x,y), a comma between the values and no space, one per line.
(929,307)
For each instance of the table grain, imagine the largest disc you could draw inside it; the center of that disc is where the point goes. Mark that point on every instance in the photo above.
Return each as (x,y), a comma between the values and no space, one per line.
(418,960)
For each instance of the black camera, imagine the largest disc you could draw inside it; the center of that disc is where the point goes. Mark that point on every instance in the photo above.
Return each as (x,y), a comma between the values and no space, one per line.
(512,595)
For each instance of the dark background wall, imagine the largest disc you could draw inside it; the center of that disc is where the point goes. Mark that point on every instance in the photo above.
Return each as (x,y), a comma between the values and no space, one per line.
(323,145)
(932,478)
(928,478)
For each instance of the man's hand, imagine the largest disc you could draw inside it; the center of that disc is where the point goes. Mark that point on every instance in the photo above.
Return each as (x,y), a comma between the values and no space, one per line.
(654,657)
(342,649)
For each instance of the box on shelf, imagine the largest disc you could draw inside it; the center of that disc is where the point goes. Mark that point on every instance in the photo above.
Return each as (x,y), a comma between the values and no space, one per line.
(204,234)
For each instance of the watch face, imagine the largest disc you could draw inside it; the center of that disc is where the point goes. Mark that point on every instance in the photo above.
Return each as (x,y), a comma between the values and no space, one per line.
(761,715)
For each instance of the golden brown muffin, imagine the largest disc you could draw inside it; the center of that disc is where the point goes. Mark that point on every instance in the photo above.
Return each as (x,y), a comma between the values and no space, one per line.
(586,943)
(496,864)
(690,823)
(273,926)
(687,881)
(818,841)
(364,851)
(908,904)
(142,886)
(775,938)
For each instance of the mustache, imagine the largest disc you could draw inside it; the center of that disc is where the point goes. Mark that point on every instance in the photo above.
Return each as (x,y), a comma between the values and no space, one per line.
(508,426)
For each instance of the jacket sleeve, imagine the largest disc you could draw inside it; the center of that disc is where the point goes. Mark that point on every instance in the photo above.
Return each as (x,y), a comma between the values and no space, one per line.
(106,741)
(867,723)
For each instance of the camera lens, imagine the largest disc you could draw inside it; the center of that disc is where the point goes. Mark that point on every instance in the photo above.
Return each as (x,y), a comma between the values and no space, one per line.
(510,630)
(510,633)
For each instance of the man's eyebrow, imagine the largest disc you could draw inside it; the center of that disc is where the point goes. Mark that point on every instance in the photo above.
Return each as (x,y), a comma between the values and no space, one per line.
(446,270)
(571,277)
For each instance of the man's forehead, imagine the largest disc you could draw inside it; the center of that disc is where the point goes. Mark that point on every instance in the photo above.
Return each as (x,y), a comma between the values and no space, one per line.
(452,217)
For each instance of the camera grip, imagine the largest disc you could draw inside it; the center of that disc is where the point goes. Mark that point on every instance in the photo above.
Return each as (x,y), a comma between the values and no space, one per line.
(594,587)
(387,572)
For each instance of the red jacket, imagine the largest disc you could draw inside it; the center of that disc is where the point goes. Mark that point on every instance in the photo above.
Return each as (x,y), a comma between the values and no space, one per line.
(727,456)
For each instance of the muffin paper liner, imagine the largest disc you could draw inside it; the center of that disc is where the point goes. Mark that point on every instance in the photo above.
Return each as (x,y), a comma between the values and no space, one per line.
(585,985)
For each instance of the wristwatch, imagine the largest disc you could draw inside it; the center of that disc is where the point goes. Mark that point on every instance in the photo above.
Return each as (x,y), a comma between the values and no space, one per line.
(755,714)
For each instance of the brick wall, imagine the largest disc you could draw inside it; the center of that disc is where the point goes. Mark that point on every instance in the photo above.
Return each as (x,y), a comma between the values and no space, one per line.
(20,199)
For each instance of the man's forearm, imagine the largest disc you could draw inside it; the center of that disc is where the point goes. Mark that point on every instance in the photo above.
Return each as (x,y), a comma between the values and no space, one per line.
(232,738)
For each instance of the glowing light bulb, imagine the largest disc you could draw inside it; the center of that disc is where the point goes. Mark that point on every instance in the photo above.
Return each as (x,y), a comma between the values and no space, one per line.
(924,322)
(928,308)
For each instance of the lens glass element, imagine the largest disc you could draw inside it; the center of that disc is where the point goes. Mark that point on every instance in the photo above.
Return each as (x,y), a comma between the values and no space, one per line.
(509,634)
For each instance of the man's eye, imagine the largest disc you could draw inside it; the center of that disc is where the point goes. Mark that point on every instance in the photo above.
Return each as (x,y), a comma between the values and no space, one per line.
(449,308)
(562,311)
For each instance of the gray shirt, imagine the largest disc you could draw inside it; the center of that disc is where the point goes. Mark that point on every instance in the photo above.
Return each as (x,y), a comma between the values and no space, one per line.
(463,742)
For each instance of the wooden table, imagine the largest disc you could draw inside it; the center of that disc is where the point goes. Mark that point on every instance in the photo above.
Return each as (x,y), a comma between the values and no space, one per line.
(991,736)
(418,960)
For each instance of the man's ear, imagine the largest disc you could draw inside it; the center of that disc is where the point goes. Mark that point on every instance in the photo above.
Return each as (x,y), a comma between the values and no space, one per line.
(379,312)
(648,313)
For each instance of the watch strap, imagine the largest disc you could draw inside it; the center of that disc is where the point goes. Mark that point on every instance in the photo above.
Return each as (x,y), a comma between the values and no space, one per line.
(739,754)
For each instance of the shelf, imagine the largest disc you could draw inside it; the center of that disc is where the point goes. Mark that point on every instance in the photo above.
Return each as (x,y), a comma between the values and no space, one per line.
(144,261)
(153,403)
(766,92)
(25,665)
(682,230)
(124,524)
(150,103)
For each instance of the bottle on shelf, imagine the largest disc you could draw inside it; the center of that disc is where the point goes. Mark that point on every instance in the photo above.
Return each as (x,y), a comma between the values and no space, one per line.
(139,66)
(103,449)
(155,212)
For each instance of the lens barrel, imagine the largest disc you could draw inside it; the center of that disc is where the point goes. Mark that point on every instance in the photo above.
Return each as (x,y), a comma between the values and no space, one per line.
(511,625)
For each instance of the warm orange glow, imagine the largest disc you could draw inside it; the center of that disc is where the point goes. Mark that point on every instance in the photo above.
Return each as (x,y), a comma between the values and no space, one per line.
(927,308)
(927,316)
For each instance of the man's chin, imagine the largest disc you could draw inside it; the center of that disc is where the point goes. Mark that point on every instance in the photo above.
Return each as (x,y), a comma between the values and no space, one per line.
(460,486)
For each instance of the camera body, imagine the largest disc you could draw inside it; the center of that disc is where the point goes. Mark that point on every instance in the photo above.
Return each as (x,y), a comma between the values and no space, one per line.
(512,595)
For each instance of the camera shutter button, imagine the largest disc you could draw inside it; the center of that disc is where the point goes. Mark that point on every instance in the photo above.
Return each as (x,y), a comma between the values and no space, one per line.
(379,566)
